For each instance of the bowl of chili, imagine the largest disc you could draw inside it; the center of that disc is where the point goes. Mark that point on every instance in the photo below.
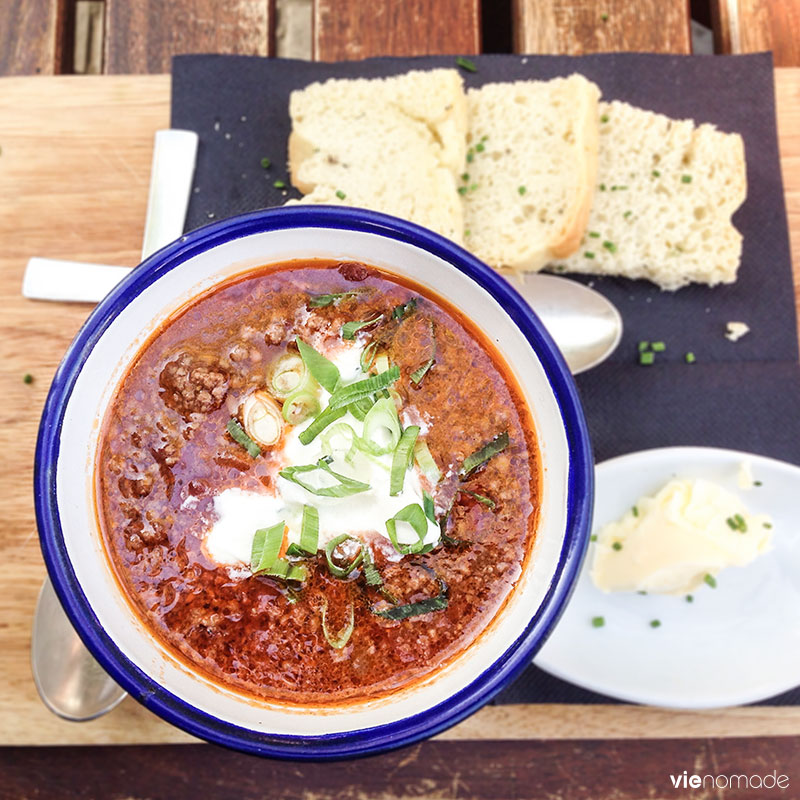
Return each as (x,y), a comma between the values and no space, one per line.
(172,406)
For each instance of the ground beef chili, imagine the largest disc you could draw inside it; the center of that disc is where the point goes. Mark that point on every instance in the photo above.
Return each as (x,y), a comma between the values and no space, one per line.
(165,453)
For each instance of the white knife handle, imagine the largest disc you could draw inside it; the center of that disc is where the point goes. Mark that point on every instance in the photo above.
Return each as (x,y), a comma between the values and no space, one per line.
(171,175)
(70,281)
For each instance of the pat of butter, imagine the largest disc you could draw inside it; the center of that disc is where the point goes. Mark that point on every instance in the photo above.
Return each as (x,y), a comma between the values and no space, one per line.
(669,542)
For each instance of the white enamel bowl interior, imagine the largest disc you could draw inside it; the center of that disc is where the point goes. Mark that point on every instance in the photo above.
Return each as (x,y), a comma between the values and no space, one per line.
(95,388)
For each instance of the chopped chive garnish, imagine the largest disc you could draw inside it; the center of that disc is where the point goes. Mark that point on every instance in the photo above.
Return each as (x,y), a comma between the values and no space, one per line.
(710,580)
(398,312)
(588,254)
(338,640)
(619,188)
(594,234)
(690,357)
(655,173)
(462,189)
(644,345)
(322,300)
(401,460)
(340,194)
(467,232)
(689,598)
(686,178)
(731,523)
(349,329)
(466,64)
(602,187)
(627,214)
(610,246)
(757,483)
(481,498)
(658,347)
(617,546)
(604,17)
(484,137)
(343,486)
(635,511)
(655,623)
(465,176)
(237,433)
(266,163)
(473,187)
(646,359)
(27,378)
(470,156)
(641,592)
(593,537)
(604,118)
(768,525)
(279,184)
(483,454)
(598,622)
(521,189)
(324,371)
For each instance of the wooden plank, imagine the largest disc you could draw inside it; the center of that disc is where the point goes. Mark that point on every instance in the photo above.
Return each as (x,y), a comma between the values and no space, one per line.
(750,26)
(572,27)
(352,29)
(142,37)
(32,37)
(581,770)
(74,174)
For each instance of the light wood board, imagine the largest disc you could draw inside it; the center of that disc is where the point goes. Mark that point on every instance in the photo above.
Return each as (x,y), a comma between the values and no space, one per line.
(74,173)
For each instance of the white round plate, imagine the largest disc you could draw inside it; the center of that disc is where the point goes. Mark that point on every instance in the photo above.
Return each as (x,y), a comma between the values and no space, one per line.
(738,643)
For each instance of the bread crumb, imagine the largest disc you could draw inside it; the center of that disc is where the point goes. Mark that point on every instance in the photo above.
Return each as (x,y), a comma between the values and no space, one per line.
(735,330)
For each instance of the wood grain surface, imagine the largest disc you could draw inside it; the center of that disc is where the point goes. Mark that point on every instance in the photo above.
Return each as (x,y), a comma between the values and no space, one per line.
(32,36)
(355,29)
(574,27)
(74,173)
(751,26)
(142,36)
(579,770)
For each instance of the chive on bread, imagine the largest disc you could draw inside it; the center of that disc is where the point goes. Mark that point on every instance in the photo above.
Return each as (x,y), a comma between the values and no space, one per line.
(665,193)
(395,145)
(532,159)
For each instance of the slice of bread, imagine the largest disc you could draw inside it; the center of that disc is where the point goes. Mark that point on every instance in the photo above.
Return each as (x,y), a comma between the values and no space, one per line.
(532,158)
(394,145)
(666,190)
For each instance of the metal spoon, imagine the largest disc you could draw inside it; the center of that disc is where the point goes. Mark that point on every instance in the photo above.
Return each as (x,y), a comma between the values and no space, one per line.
(69,680)
(586,327)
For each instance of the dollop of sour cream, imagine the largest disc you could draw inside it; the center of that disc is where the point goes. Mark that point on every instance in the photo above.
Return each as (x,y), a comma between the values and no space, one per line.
(239,513)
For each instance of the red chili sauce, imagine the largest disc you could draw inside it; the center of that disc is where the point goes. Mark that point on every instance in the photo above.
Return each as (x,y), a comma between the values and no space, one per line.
(165,453)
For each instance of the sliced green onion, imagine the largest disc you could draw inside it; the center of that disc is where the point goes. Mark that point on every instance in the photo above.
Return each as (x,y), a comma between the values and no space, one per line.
(322,300)
(415,517)
(658,347)
(371,574)
(239,436)
(481,498)
(437,603)
(328,416)
(418,374)
(341,430)
(428,507)
(309,530)
(466,64)
(401,460)
(266,547)
(325,372)
(363,388)
(483,454)
(343,488)
(285,569)
(339,640)
(646,359)
(367,356)
(398,312)
(381,363)
(424,459)
(710,580)
(299,407)
(287,375)
(334,568)
(598,622)
(350,329)
(381,428)
(360,408)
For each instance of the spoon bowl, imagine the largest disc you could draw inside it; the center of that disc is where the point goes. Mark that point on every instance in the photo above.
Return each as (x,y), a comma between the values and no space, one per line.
(585,325)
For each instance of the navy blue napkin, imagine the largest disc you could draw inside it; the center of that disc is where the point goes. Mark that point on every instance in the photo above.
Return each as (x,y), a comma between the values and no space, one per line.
(743,395)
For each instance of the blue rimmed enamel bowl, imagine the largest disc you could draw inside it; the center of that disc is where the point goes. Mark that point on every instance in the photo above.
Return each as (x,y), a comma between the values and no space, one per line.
(71,540)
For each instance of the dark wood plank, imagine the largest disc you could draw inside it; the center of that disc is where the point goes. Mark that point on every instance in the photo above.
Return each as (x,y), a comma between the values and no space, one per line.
(352,29)
(574,27)
(142,36)
(494,770)
(750,26)
(33,36)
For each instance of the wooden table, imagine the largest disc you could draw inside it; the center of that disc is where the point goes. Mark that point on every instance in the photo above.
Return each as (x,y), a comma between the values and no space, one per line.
(74,172)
